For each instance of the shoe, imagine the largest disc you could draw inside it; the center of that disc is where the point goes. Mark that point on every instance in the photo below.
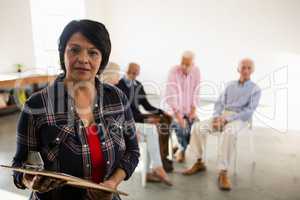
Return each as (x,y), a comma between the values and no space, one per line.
(167,165)
(160,173)
(197,167)
(175,149)
(180,158)
(223,181)
(150,177)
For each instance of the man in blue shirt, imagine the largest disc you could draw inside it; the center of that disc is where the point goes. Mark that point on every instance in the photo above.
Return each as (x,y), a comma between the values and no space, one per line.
(232,113)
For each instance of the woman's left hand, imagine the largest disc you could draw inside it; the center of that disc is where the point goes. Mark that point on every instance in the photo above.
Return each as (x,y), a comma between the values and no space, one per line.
(102,195)
(110,183)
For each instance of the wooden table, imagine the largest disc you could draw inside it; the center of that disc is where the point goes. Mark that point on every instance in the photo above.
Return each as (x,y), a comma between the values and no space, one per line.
(15,81)
(19,80)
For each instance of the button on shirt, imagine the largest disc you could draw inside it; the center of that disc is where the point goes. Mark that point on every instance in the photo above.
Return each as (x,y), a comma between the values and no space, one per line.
(240,98)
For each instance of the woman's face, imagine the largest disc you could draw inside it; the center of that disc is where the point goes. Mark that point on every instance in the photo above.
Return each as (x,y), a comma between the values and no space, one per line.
(82,59)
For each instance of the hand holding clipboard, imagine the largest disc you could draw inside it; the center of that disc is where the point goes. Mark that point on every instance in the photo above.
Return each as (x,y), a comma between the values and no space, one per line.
(70,180)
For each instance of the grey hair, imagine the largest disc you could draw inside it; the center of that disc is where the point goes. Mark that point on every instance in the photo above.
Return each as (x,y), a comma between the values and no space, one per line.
(110,72)
(188,54)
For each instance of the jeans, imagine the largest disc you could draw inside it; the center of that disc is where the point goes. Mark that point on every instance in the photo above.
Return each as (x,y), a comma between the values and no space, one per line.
(183,134)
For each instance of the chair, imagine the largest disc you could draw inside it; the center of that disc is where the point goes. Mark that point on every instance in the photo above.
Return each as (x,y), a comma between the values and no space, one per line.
(249,129)
(251,144)
(144,159)
(172,142)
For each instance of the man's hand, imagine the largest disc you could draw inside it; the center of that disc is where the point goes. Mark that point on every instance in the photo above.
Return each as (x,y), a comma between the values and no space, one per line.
(218,123)
(223,120)
(192,115)
(41,184)
(153,120)
(138,135)
(180,120)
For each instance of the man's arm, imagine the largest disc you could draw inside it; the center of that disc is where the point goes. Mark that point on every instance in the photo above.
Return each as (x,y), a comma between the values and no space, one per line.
(193,113)
(248,110)
(144,101)
(220,104)
(172,92)
(196,94)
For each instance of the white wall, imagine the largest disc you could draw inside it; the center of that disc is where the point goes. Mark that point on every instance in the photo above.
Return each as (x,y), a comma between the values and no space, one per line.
(97,10)
(155,33)
(49,17)
(15,35)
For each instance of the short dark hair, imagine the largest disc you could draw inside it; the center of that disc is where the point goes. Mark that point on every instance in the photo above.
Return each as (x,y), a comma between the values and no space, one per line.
(94,31)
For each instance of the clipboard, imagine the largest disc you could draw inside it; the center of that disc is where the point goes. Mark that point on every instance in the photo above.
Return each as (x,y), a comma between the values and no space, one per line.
(70,180)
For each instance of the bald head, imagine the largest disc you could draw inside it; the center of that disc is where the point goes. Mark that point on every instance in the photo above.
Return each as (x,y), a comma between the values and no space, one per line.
(133,70)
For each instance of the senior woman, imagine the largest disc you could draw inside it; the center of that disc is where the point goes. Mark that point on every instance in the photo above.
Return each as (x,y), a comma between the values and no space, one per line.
(111,74)
(79,125)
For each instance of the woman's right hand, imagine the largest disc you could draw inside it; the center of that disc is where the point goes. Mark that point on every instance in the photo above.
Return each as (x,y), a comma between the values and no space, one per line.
(41,184)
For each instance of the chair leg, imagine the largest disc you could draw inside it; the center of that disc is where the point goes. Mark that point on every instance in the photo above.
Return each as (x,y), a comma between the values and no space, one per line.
(252,150)
(218,147)
(171,156)
(144,157)
(235,155)
(205,152)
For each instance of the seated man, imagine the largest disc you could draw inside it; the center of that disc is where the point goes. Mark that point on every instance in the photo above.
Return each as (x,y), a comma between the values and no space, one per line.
(232,111)
(149,125)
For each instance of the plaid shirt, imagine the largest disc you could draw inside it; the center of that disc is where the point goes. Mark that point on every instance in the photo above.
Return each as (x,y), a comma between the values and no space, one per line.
(50,125)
